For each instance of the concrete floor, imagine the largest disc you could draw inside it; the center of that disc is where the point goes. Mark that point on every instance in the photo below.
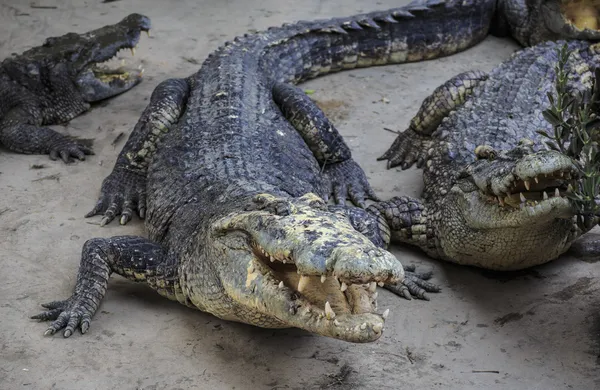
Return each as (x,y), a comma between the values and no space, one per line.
(538,329)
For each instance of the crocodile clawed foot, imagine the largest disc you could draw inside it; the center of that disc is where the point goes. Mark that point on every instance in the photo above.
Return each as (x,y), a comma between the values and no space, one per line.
(414,285)
(348,181)
(66,148)
(69,315)
(122,193)
(409,147)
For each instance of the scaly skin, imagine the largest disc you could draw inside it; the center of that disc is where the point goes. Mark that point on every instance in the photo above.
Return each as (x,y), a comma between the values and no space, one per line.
(493,197)
(233,194)
(53,83)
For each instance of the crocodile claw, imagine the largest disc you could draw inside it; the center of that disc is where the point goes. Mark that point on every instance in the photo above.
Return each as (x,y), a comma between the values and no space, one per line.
(66,148)
(122,193)
(348,180)
(68,315)
(414,285)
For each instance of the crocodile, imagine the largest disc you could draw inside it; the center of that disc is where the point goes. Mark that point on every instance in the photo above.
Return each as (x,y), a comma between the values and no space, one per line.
(55,82)
(232,167)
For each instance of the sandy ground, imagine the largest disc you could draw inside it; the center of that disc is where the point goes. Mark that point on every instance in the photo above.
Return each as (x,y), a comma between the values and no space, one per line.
(538,329)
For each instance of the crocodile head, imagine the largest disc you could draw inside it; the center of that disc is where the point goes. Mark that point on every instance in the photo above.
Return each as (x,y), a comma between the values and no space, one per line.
(292,263)
(78,57)
(535,21)
(509,210)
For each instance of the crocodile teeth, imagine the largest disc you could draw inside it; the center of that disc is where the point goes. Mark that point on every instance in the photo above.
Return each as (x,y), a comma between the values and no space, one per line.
(522,197)
(343,287)
(536,179)
(500,201)
(323,278)
(329,311)
(386,313)
(281,284)
(380,284)
(527,184)
(336,323)
(377,328)
(556,192)
(148,33)
(545,195)
(363,326)
(372,287)
(133,51)
(570,188)
(303,282)
(375,295)
(272,259)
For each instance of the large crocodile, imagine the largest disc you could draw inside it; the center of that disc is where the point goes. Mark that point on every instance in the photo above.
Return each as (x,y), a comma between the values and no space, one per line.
(232,194)
(494,195)
(55,82)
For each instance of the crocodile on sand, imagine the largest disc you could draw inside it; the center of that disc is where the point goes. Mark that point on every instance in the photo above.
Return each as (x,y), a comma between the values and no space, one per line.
(53,83)
(234,193)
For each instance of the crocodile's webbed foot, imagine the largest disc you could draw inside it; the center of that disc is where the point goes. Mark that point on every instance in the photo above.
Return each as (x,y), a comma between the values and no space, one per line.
(348,180)
(122,193)
(415,284)
(409,147)
(30,139)
(69,315)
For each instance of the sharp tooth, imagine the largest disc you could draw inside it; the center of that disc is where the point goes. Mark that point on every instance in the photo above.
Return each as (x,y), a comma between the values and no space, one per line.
(323,278)
(336,323)
(377,328)
(303,282)
(570,188)
(281,284)
(522,197)
(251,269)
(123,62)
(556,192)
(148,33)
(375,295)
(343,287)
(380,284)
(536,179)
(500,201)
(283,261)
(561,174)
(271,258)
(372,287)
(386,313)
(527,184)
(545,195)
(133,51)
(329,311)
(363,326)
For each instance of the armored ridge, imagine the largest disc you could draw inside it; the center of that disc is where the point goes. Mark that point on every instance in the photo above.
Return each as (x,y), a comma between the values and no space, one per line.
(233,192)
(53,83)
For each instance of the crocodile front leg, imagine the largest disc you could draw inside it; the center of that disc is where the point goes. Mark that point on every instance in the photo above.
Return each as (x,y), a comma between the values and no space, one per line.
(124,190)
(376,223)
(346,177)
(134,258)
(404,219)
(21,127)
(412,145)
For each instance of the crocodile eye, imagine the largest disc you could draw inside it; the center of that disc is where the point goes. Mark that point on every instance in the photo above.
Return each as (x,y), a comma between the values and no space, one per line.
(485,152)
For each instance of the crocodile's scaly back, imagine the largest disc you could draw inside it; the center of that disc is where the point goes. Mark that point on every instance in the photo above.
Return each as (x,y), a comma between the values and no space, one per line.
(236,132)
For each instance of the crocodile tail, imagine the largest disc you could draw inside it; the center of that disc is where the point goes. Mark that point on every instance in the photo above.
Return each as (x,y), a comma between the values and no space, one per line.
(422,30)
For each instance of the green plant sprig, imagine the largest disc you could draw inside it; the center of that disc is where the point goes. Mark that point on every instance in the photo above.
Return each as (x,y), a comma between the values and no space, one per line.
(575,133)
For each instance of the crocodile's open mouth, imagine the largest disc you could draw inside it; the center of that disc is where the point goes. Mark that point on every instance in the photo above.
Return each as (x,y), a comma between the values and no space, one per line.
(581,14)
(328,295)
(531,192)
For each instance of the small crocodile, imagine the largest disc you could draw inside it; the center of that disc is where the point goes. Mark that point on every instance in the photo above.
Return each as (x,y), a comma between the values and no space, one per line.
(234,194)
(53,83)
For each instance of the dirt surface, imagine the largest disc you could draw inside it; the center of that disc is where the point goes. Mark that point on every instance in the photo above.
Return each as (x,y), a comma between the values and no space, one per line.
(536,329)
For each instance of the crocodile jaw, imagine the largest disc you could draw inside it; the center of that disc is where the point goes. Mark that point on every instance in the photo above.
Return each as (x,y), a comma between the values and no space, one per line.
(308,269)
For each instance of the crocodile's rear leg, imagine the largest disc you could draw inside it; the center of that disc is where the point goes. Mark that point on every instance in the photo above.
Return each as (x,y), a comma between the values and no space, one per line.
(124,190)
(412,145)
(135,258)
(404,219)
(327,145)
